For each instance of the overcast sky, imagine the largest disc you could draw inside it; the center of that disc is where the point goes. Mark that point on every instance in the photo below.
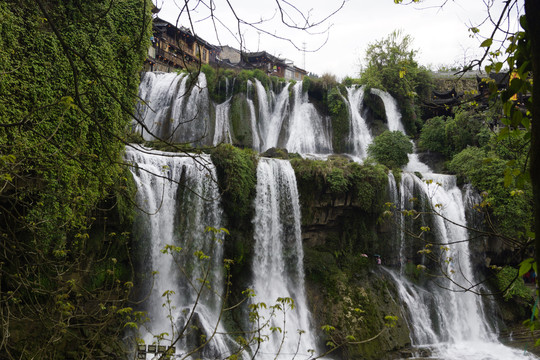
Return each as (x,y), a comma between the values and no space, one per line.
(440,35)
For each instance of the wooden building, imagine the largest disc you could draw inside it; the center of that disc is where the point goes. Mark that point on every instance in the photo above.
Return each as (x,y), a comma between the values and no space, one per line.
(176,48)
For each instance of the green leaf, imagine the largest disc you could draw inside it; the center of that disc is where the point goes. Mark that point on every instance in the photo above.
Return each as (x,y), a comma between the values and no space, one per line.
(486,43)
(508,179)
(525,266)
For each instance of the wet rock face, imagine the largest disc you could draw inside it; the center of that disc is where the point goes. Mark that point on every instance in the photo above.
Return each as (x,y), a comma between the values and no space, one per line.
(345,286)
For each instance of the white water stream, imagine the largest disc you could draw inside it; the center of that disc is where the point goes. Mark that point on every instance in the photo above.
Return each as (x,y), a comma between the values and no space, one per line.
(178,199)
(278,263)
(444,316)
(359,135)
(174,109)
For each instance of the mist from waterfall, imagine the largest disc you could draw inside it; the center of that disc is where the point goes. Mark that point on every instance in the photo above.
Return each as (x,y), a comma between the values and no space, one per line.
(278,262)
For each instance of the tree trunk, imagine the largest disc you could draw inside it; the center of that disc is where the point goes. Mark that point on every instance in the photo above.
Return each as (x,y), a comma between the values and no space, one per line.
(532,9)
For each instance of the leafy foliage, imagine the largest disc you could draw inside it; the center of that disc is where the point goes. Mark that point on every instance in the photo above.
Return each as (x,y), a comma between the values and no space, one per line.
(511,208)
(237,174)
(509,281)
(450,135)
(433,135)
(340,119)
(391,66)
(365,183)
(391,149)
(70,72)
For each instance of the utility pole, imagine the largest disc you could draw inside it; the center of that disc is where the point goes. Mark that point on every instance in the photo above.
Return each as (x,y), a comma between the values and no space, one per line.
(304,50)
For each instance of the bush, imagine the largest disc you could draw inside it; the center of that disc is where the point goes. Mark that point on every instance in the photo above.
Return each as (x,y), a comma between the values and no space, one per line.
(512,209)
(237,175)
(433,135)
(340,120)
(507,280)
(391,149)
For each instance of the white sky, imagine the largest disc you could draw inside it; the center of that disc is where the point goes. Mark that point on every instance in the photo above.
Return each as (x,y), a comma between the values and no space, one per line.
(440,35)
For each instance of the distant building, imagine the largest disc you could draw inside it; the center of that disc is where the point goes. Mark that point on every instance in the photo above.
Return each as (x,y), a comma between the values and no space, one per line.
(174,48)
(275,66)
(230,55)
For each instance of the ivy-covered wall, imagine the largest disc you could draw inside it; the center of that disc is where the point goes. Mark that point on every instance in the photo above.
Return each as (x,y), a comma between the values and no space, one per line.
(70,72)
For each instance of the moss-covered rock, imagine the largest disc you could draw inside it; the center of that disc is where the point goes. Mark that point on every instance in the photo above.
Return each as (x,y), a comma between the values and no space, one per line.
(237,176)
(339,115)
(240,121)
(375,113)
(350,293)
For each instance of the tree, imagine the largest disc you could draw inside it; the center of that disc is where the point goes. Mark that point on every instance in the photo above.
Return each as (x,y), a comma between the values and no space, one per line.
(391,66)
(391,149)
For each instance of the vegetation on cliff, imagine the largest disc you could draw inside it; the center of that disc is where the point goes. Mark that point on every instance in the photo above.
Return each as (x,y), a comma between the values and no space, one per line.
(70,77)
(391,149)
(391,66)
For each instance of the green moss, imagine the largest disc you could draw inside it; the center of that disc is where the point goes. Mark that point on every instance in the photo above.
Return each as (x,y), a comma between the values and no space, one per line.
(354,299)
(337,108)
(512,285)
(367,184)
(237,175)
(239,116)
(73,74)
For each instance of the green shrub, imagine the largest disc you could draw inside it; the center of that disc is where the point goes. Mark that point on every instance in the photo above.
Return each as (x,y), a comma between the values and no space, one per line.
(433,135)
(512,285)
(339,116)
(237,175)
(512,209)
(391,149)
(337,181)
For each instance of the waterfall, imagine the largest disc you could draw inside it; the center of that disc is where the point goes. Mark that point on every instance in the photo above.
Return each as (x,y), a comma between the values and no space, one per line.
(177,198)
(272,113)
(253,118)
(222,131)
(359,134)
(278,263)
(308,131)
(442,315)
(393,115)
(175,108)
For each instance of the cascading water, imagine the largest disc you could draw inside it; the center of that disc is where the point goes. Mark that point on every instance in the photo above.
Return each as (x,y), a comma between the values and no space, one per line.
(174,109)
(443,315)
(393,115)
(178,198)
(253,118)
(359,135)
(222,132)
(308,131)
(278,263)
(272,113)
